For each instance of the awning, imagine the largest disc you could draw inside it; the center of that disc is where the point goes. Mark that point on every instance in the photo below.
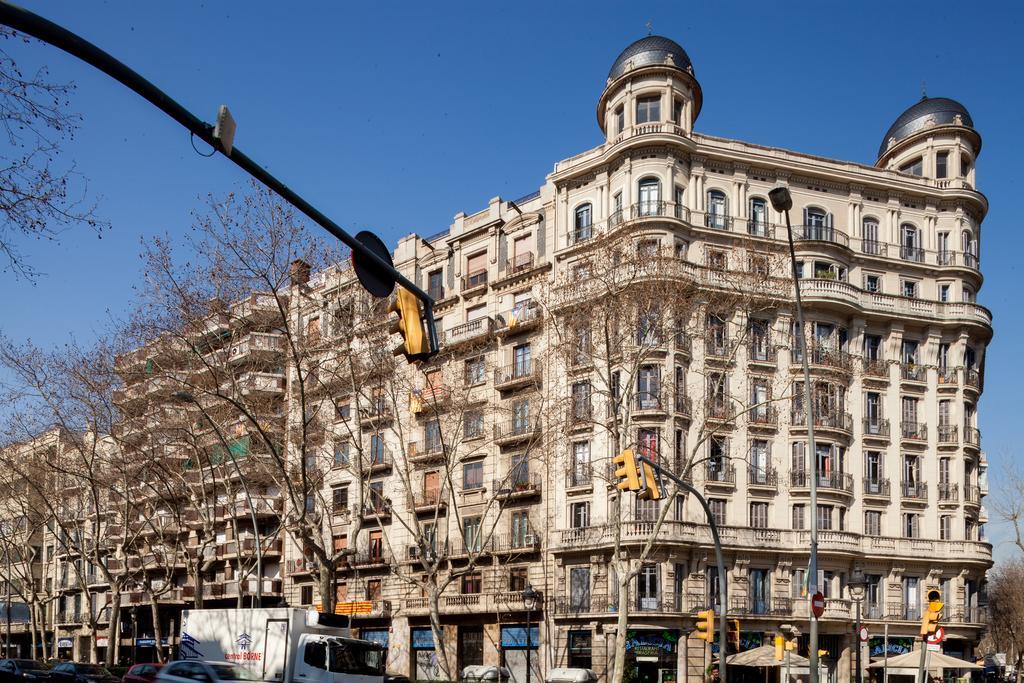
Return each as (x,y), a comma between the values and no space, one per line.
(764,656)
(936,661)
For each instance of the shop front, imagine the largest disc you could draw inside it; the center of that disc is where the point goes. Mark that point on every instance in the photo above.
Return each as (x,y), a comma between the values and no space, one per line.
(519,650)
(424,656)
(651,656)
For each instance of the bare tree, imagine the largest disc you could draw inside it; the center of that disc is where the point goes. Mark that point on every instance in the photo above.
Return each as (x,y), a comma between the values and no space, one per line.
(40,196)
(1006,611)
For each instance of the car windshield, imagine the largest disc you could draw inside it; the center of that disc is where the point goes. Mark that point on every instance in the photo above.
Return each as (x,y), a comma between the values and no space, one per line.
(230,672)
(28,664)
(353,657)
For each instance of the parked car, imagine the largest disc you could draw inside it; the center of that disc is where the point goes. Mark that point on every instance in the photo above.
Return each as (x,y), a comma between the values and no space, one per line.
(190,671)
(21,670)
(141,673)
(80,672)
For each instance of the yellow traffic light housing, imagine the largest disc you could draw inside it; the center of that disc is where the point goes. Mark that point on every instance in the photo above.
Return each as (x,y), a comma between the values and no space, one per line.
(780,648)
(649,489)
(930,619)
(706,625)
(626,471)
(822,653)
(734,633)
(410,325)
(791,645)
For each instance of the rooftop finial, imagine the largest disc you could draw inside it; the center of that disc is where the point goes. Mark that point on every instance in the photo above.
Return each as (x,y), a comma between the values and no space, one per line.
(924,91)
(650,28)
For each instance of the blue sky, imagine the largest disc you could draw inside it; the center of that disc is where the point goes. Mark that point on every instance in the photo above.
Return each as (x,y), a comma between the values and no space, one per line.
(394,117)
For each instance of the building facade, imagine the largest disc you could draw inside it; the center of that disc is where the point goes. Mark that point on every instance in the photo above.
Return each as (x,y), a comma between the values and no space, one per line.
(492,461)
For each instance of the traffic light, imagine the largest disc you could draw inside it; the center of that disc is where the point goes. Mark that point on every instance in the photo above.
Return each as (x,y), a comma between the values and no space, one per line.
(791,645)
(930,620)
(649,489)
(410,325)
(822,653)
(626,471)
(706,625)
(734,633)
(780,648)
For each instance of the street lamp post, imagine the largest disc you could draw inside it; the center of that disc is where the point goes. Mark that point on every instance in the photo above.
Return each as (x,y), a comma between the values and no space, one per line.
(857,583)
(186,397)
(783,202)
(530,597)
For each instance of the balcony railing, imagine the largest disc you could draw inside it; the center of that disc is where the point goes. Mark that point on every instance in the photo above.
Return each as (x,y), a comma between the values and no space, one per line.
(517,484)
(876,367)
(972,378)
(948,434)
(760,351)
(876,427)
(947,376)
(718,221)
(839,481)
(824,355)
(523,315)
(719,474)
(644,401)
(579,475)
(912,372)
(948,493)
(826,419)
(760,228)
(914,490)
(878,487)
(518,372)
(972,436)
(520,263)
(718,346)
(820,233)
(520,428)
(717,408)
(648,208)
(467,331)
(762,476)
(764,415)
(874,247)
(972,494)
(914,431)
(428,448)
(909,253)
(478,278)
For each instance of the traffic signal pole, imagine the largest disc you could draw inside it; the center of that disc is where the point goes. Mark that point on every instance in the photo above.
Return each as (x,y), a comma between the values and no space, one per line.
(723,579)
(42,29)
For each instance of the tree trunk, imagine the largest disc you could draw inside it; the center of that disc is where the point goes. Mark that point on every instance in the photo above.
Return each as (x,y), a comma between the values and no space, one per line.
(157,633)
(113,637)
(42,633)
(1016,668)
(197,581)
(621,624)
(32,627)
(328,598)
(439,645)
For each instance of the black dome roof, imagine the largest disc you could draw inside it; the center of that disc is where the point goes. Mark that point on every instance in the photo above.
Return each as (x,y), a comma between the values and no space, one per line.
(650,51)
(929,111)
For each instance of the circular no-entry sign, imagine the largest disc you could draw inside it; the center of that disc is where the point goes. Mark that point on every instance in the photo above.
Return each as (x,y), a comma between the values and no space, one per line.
(863,634)
(818,605)
(937,637)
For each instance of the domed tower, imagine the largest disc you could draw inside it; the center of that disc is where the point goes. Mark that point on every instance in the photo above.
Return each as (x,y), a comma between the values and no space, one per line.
(934,139)
(651,82)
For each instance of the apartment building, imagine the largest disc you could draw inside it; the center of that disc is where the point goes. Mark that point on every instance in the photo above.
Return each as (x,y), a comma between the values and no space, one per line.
(490,464)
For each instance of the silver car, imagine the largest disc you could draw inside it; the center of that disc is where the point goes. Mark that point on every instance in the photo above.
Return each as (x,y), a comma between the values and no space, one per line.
(191,671)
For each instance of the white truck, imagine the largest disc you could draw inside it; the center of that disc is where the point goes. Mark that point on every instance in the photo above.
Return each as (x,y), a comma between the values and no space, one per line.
(282,644)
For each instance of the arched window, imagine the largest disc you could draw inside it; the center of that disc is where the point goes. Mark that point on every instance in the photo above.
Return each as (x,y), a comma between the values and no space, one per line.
(582,223)
(650,197)
(620,119)
(869,236)
(718,211)
(758,222)
(817,224)
(910,243)
(965,165)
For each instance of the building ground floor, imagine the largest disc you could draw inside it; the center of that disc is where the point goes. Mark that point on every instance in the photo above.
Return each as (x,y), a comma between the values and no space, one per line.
(658,650)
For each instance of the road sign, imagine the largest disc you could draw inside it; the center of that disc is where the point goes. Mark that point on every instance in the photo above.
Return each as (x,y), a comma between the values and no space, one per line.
(937,637)
(818,605)
(374,280)
(863,634)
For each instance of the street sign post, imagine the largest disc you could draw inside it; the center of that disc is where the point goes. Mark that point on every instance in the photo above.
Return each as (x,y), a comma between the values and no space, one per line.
(818,605)
(863,634)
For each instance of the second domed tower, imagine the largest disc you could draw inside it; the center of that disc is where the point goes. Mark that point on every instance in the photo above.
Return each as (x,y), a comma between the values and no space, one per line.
(651,83)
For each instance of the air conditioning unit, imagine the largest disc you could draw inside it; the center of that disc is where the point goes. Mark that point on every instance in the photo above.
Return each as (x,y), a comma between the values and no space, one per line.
(531,540)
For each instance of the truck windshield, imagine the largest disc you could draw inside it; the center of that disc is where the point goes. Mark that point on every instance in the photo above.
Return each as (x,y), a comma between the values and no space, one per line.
(349,657)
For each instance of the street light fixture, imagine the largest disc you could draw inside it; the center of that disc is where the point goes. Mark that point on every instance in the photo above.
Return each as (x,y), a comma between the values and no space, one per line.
(186,397)
(857,583)
(530,597)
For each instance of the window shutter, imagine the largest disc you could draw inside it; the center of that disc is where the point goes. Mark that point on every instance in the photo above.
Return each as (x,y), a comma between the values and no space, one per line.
(828,220)
(502,251)
(540,238)
(451,270)
(805,216)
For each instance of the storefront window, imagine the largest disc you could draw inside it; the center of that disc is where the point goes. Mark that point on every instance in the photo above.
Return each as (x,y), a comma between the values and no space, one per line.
(580,649)
(651,655)
(471,646)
